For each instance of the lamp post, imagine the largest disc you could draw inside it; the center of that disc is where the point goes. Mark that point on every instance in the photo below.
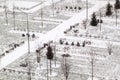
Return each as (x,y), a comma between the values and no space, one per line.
(28,36)
(29,68)
(28,33)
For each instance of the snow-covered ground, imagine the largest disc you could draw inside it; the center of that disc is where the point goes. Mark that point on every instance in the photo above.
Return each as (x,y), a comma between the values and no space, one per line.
(58,31)
(102,62)
(30,5)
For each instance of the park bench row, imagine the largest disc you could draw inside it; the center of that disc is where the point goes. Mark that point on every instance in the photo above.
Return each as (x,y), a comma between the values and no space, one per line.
(12,47)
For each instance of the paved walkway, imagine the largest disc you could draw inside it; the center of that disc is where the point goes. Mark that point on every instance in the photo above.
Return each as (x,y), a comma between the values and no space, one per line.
(54,34)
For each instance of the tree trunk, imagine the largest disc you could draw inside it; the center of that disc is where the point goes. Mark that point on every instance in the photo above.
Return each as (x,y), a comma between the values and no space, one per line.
(55,54)
(50,68)
(53,6)
(6,15)
(29,71)
(14,19)
(41,18)
(86,9)
(116,17)
(92,69)
(100,20)
(47,70)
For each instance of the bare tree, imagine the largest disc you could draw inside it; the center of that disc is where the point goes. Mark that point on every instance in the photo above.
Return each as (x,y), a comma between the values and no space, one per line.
(41,13)
(92,63)
(6,13)
(116,15)
(86,9)
(54,50)
(85,23)
(50,56)
(29,71)
(14,15)
(91,59)
(38,55)
(65,66)
(100,20)
(109,47)
(53,5)
(29,66)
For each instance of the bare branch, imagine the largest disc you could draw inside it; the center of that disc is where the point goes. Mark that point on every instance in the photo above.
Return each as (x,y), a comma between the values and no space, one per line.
(65,66)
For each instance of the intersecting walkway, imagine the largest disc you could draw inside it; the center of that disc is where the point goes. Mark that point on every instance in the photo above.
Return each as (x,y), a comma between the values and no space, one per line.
(54,34)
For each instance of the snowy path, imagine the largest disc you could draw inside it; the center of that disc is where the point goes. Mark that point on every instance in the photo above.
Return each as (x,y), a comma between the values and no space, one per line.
(54,34)
(12,56)
(57,32)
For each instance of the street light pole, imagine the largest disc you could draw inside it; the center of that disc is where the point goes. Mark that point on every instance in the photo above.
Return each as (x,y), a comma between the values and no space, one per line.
(28,36)
(27,30)
(28,33)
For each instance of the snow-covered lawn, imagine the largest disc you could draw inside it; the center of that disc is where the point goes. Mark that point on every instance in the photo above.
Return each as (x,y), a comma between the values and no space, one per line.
(104,65)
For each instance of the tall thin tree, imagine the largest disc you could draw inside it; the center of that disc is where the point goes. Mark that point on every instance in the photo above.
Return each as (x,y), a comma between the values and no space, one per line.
(41,17)
(116,7)
(87,10)
(100,20)
(65,66)
(14,24)
(116,11)
(92,63)
(53,5)
(6,13)
(50,57)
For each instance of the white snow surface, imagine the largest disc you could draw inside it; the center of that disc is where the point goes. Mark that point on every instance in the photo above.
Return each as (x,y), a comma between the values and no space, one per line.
(54,34)
(27,4)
